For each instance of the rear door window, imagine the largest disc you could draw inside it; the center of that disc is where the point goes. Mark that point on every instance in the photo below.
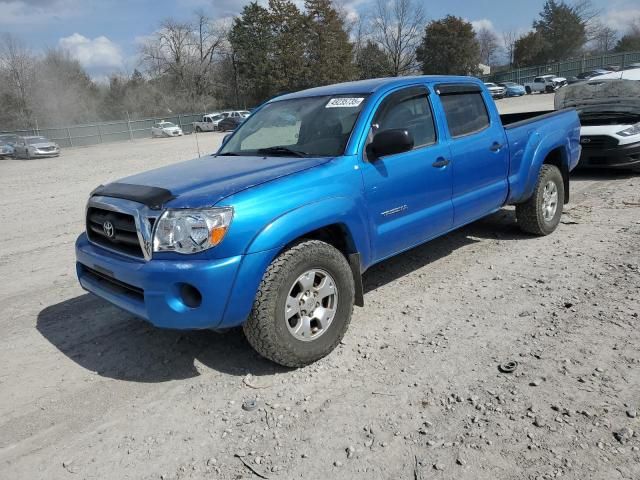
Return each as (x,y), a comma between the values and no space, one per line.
(466,113)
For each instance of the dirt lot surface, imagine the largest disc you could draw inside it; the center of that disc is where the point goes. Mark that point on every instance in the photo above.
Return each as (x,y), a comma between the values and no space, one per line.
(413,392)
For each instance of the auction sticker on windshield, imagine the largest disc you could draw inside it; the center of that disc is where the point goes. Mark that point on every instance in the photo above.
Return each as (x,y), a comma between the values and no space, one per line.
(344,102)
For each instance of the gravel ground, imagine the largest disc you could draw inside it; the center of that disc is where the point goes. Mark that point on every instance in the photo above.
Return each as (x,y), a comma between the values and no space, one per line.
(414,391)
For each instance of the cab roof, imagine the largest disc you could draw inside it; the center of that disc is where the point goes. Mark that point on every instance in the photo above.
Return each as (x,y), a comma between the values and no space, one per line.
(373,85)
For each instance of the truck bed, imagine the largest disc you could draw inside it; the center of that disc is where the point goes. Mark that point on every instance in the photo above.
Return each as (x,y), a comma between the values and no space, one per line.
(531,136)
(511,119)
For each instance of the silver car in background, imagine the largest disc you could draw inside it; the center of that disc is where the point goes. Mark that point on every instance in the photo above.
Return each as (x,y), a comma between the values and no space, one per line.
(165,129)
(35,147)
(496,91)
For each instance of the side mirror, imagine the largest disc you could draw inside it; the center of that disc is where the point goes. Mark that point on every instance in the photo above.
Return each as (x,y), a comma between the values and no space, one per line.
(391,142)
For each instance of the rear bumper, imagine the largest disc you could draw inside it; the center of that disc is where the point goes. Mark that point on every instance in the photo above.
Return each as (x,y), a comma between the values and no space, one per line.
(620,156)
(154,290)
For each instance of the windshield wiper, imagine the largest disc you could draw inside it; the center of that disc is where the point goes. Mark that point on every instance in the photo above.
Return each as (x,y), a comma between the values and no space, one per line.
(282,150)
(228,154)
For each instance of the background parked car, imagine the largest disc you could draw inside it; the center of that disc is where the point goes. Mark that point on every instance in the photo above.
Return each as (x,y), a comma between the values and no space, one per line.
(626,74)
(229,123)
(495,90)
(35,147)
(545,84)
(166,129)
(583,76)
(513,89)
(208,123)
(9,138)
(6,150)
(609,110)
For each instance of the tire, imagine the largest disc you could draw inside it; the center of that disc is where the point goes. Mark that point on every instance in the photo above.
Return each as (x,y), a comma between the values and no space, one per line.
(528,90)
(267,329)
(198,129)
(532,215)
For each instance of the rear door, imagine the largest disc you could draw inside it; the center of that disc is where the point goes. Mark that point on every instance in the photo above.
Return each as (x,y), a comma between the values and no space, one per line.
(408,194)
(479,153)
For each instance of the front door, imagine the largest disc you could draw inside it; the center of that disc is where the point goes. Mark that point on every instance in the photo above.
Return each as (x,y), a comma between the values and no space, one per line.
(408,194)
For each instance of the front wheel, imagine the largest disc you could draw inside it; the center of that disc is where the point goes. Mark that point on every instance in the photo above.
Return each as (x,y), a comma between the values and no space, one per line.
(541,214)
(528,90)
(303,306)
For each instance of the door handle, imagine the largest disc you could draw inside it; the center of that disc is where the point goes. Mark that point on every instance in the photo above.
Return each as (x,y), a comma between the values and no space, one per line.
(496,147)
(441,162)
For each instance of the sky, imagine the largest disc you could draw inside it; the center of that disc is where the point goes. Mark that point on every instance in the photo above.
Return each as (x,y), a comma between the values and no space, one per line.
(104,35)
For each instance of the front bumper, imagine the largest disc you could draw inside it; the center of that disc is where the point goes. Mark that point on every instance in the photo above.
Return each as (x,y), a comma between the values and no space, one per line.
(52,153)
(619,156)
(154,290)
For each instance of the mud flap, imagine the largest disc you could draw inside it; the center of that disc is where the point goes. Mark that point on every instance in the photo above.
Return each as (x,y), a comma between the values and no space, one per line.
(354,263)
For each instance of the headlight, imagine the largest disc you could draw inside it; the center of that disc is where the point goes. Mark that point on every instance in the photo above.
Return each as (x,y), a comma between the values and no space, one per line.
(191,231)
(632,130)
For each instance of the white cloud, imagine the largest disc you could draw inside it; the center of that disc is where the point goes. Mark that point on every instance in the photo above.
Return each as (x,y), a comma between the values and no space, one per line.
(483,23)
(620,20)
(99,53)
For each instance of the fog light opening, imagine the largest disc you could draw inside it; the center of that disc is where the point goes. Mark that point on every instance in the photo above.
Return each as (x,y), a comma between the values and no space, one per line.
(190,295)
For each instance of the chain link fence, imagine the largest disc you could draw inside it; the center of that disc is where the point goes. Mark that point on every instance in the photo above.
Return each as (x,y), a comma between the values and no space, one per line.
(569,68)
(104,132)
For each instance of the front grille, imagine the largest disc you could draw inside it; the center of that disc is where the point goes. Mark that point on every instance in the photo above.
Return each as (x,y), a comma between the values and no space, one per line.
(598,141)
(47,149)
(122,236)
(108,282)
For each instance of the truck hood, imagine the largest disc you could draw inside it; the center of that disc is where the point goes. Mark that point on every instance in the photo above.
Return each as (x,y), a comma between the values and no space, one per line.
(604,95)
(205,181)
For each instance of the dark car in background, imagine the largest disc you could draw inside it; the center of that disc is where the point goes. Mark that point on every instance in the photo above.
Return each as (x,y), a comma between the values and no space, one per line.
(230,123)
(584,76)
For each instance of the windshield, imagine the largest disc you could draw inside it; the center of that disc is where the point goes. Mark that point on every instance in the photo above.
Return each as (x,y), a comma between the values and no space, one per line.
(166,125)
(34,140)
(309,126)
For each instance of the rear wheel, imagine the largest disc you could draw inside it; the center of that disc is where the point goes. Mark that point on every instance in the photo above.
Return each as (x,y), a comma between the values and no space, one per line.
(303,306)
(541,214)
(198,129)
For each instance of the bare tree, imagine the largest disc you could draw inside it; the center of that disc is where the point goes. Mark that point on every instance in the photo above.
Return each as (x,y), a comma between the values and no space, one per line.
(398,27)
(210,39)
(589,16)
(604,38)
(167,52)
(18,66)
(509,38)
(488,42)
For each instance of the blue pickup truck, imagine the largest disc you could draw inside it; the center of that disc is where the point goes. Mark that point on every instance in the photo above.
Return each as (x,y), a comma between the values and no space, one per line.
(274,231)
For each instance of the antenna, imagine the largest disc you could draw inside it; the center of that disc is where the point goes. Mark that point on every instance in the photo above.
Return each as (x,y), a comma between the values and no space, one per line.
(195,132)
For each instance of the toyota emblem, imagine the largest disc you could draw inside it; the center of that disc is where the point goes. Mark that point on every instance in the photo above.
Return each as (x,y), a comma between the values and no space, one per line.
(107,228)
(585,140)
